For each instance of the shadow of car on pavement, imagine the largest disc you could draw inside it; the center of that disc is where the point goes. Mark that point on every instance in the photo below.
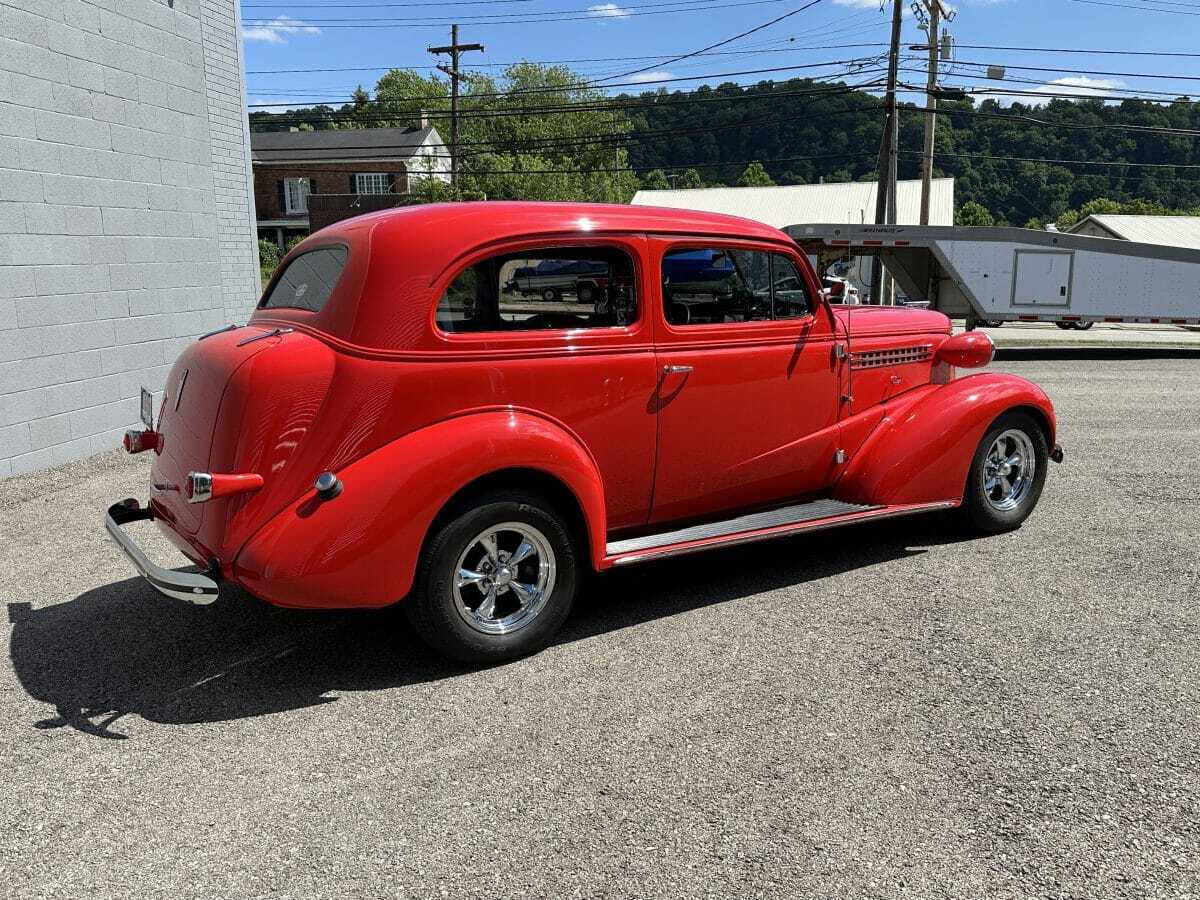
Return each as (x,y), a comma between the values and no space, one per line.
(122,648)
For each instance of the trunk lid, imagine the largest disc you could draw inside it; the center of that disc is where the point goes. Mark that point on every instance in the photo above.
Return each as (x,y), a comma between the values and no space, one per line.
(190,418)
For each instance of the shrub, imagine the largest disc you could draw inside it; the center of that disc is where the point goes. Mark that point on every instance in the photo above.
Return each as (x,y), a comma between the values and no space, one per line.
(268,256)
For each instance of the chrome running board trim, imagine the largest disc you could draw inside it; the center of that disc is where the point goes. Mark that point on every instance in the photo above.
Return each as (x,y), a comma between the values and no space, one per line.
(788,515)
(618,557)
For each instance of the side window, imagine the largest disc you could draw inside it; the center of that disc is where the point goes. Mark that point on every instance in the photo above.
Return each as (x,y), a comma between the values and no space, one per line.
(792,299)
(551,287)
(308,280)
(716,285)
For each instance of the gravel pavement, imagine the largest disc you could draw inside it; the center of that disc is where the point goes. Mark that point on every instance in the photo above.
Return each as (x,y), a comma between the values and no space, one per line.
(879,711)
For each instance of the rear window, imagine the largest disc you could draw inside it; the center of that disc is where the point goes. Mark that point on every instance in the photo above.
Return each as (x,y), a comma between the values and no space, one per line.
(550,287)
(307,281)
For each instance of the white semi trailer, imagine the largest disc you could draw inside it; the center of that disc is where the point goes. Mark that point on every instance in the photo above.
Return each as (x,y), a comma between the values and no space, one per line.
(993,275)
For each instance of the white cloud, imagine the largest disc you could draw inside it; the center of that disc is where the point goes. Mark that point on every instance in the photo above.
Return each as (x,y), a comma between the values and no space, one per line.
(658,75)
(1075,84)
(277,30)
(609,11)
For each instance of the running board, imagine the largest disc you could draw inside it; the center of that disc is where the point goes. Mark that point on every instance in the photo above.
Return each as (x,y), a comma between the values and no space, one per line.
(815,516)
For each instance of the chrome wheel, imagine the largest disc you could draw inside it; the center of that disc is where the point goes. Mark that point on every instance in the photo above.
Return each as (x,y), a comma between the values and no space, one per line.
(1009,469)
(504,578)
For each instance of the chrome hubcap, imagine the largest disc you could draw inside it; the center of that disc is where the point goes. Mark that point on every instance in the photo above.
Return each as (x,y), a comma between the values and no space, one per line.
(504,578)
(1009,469)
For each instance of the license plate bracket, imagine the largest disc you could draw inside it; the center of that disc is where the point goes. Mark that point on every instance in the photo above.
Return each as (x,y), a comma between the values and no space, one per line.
(147,409)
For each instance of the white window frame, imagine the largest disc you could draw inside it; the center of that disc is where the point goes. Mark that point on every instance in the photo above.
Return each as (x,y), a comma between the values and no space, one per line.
(372,183)
(295,195)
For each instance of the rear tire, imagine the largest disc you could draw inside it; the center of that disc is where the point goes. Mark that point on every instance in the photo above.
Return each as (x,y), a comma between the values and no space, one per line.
(1006,476)
(496,580)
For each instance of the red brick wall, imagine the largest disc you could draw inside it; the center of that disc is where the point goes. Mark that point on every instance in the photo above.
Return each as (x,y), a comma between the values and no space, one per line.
(327,179)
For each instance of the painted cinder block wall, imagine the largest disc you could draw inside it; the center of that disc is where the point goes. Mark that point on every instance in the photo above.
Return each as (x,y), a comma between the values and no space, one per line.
(126,210)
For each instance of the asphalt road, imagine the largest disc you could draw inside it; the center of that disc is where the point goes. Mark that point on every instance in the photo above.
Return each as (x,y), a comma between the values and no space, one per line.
(876,712)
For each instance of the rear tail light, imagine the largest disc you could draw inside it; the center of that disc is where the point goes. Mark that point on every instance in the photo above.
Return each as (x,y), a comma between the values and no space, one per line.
(136,441)
(203,486)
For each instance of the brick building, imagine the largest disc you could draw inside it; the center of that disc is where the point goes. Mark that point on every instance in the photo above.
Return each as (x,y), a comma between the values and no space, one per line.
(126,215)
(304,180)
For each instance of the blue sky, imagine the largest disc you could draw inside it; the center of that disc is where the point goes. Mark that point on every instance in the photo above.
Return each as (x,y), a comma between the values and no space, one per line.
(300,35)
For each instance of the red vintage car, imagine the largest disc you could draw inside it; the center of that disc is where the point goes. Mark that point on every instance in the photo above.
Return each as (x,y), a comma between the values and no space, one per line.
(391,425)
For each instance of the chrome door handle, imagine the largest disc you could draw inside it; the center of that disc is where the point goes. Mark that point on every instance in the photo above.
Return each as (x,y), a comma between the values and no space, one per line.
(676,370)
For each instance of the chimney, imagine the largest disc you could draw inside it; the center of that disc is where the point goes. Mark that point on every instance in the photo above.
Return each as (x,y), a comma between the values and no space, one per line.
(423,119)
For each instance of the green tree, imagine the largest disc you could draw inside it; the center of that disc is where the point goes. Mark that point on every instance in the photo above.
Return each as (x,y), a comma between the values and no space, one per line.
(656,180)
(755,176)
(1067,219)
(402,97)
(691,179)
(508,147)
(972,213)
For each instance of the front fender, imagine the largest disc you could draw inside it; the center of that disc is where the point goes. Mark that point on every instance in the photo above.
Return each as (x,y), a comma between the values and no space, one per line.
(361,548)
(922,449)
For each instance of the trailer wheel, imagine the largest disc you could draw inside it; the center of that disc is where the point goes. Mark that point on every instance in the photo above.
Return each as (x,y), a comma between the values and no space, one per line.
(1083,326)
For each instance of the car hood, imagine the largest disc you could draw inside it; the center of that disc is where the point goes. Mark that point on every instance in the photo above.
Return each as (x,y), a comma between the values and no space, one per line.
(882,321)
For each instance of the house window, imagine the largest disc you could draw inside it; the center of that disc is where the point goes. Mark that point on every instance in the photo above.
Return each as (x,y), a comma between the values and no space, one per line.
(295,195)
(372,183)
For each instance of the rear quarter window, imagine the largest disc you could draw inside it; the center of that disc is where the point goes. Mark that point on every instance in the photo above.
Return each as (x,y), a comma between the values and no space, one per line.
(307,281)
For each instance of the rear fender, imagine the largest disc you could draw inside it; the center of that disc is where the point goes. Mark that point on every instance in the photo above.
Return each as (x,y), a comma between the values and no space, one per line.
(922,449)
(361,548)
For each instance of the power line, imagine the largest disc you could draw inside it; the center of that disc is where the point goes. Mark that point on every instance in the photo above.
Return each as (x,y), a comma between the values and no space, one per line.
(563,89)
(551,62)
(1178,12)
(1181,54)
(721,43)
(464,16)
(680,98)
(1132,93)
(425,22)
(853,154)
(1023,119)
(1065,162)
(369,5)
(968,62)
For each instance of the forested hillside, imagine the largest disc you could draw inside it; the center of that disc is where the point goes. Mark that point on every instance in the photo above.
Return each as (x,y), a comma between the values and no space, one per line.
(1013,164)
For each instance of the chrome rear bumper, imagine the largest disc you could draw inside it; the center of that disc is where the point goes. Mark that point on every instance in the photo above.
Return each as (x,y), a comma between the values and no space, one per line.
(187,586)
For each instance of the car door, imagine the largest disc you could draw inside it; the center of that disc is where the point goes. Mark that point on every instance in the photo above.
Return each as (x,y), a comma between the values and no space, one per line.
(748,393)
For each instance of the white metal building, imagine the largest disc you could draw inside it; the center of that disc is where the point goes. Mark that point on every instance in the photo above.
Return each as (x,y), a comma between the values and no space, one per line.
(1169,231)
(851,202)
(126,210)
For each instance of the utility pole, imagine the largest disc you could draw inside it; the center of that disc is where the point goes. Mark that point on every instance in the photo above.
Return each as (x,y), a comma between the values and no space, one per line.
(935,17)
(455,49)
(885,192)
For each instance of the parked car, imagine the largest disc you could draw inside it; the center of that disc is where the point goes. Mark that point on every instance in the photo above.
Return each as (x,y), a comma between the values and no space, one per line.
(551,278)
(391,427)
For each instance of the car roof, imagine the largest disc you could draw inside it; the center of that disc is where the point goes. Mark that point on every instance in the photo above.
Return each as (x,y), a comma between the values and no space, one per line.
(479,222)
(382,298)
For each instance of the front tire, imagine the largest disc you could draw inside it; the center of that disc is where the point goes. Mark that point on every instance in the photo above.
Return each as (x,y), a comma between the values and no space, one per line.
(1006,476)
(497,579)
